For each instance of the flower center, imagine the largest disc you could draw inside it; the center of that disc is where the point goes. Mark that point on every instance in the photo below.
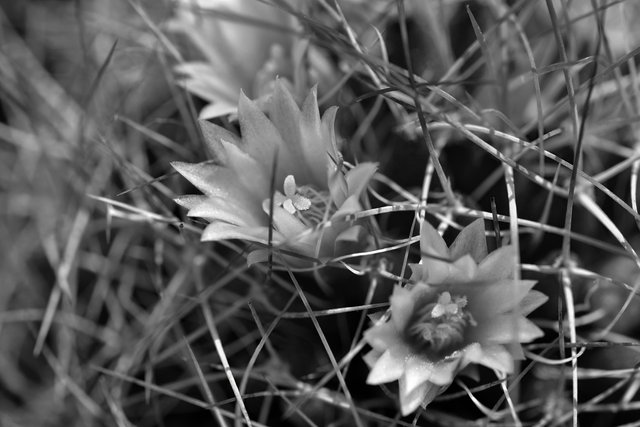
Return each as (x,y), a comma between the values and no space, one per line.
(439,326)
(305,202)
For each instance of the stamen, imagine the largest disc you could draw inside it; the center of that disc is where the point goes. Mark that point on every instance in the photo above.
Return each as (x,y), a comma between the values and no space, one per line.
(294,201)
(446,306)
(308,204)
(440,325)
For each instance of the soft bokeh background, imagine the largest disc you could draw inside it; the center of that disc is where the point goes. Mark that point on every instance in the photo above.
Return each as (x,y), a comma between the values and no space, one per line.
(98,294)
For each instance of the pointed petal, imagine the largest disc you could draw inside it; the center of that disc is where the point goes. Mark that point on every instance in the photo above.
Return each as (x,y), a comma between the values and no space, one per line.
(215,208)
(531,301)
(338,187)
(258,256)
(431,393)
(418,370)
(213,135)
(284,222)
(418,272)
(410,401)
(260,137)
(217,109)
(516,351)
(387,368)
(383,336)
(358,178)
(208,82)
(489,299)
(224,231)
(328,130)
(469,354)
(472,241)
(444,372)
(212,180)
(431,243)
(503,329)
(462,270)
(351,234)
(190,201)
(224,209)
(250,173)
(496,357)
(285,115)
(350,205)
(472,372)
(315,144)
(372,357)
(498,265)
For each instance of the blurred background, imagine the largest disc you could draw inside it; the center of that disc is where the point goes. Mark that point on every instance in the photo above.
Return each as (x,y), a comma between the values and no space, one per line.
(106,293)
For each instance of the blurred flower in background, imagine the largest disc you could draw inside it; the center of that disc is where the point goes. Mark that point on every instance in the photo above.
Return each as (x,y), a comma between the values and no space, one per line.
(297,148)
(466,308)
(427,25)
(243,45)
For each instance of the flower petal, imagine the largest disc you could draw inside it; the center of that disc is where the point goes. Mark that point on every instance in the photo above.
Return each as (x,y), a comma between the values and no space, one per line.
(389,367)
(261,138)
(218,181)
(328,130)
(403,301)
(489,299)
(219,230)
(431,243)
(285,115)
(206,177)
(437,271)
(470,240)
(351,234)
(515,349)
(258,256)
(251,174)
(218,109)
(418,370)
(359,176)
(383,336)
(499,264)
(350,205)
(316,145)
(418,272)
(338,187)
(213,135)
(347,239)
(372,357)
(434,253)
(208,82)
(531,301)
(444,371)
(422,395)
(496,357)
(283,221)
(504,329)
(216,208)
(190,201)
(469,354)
